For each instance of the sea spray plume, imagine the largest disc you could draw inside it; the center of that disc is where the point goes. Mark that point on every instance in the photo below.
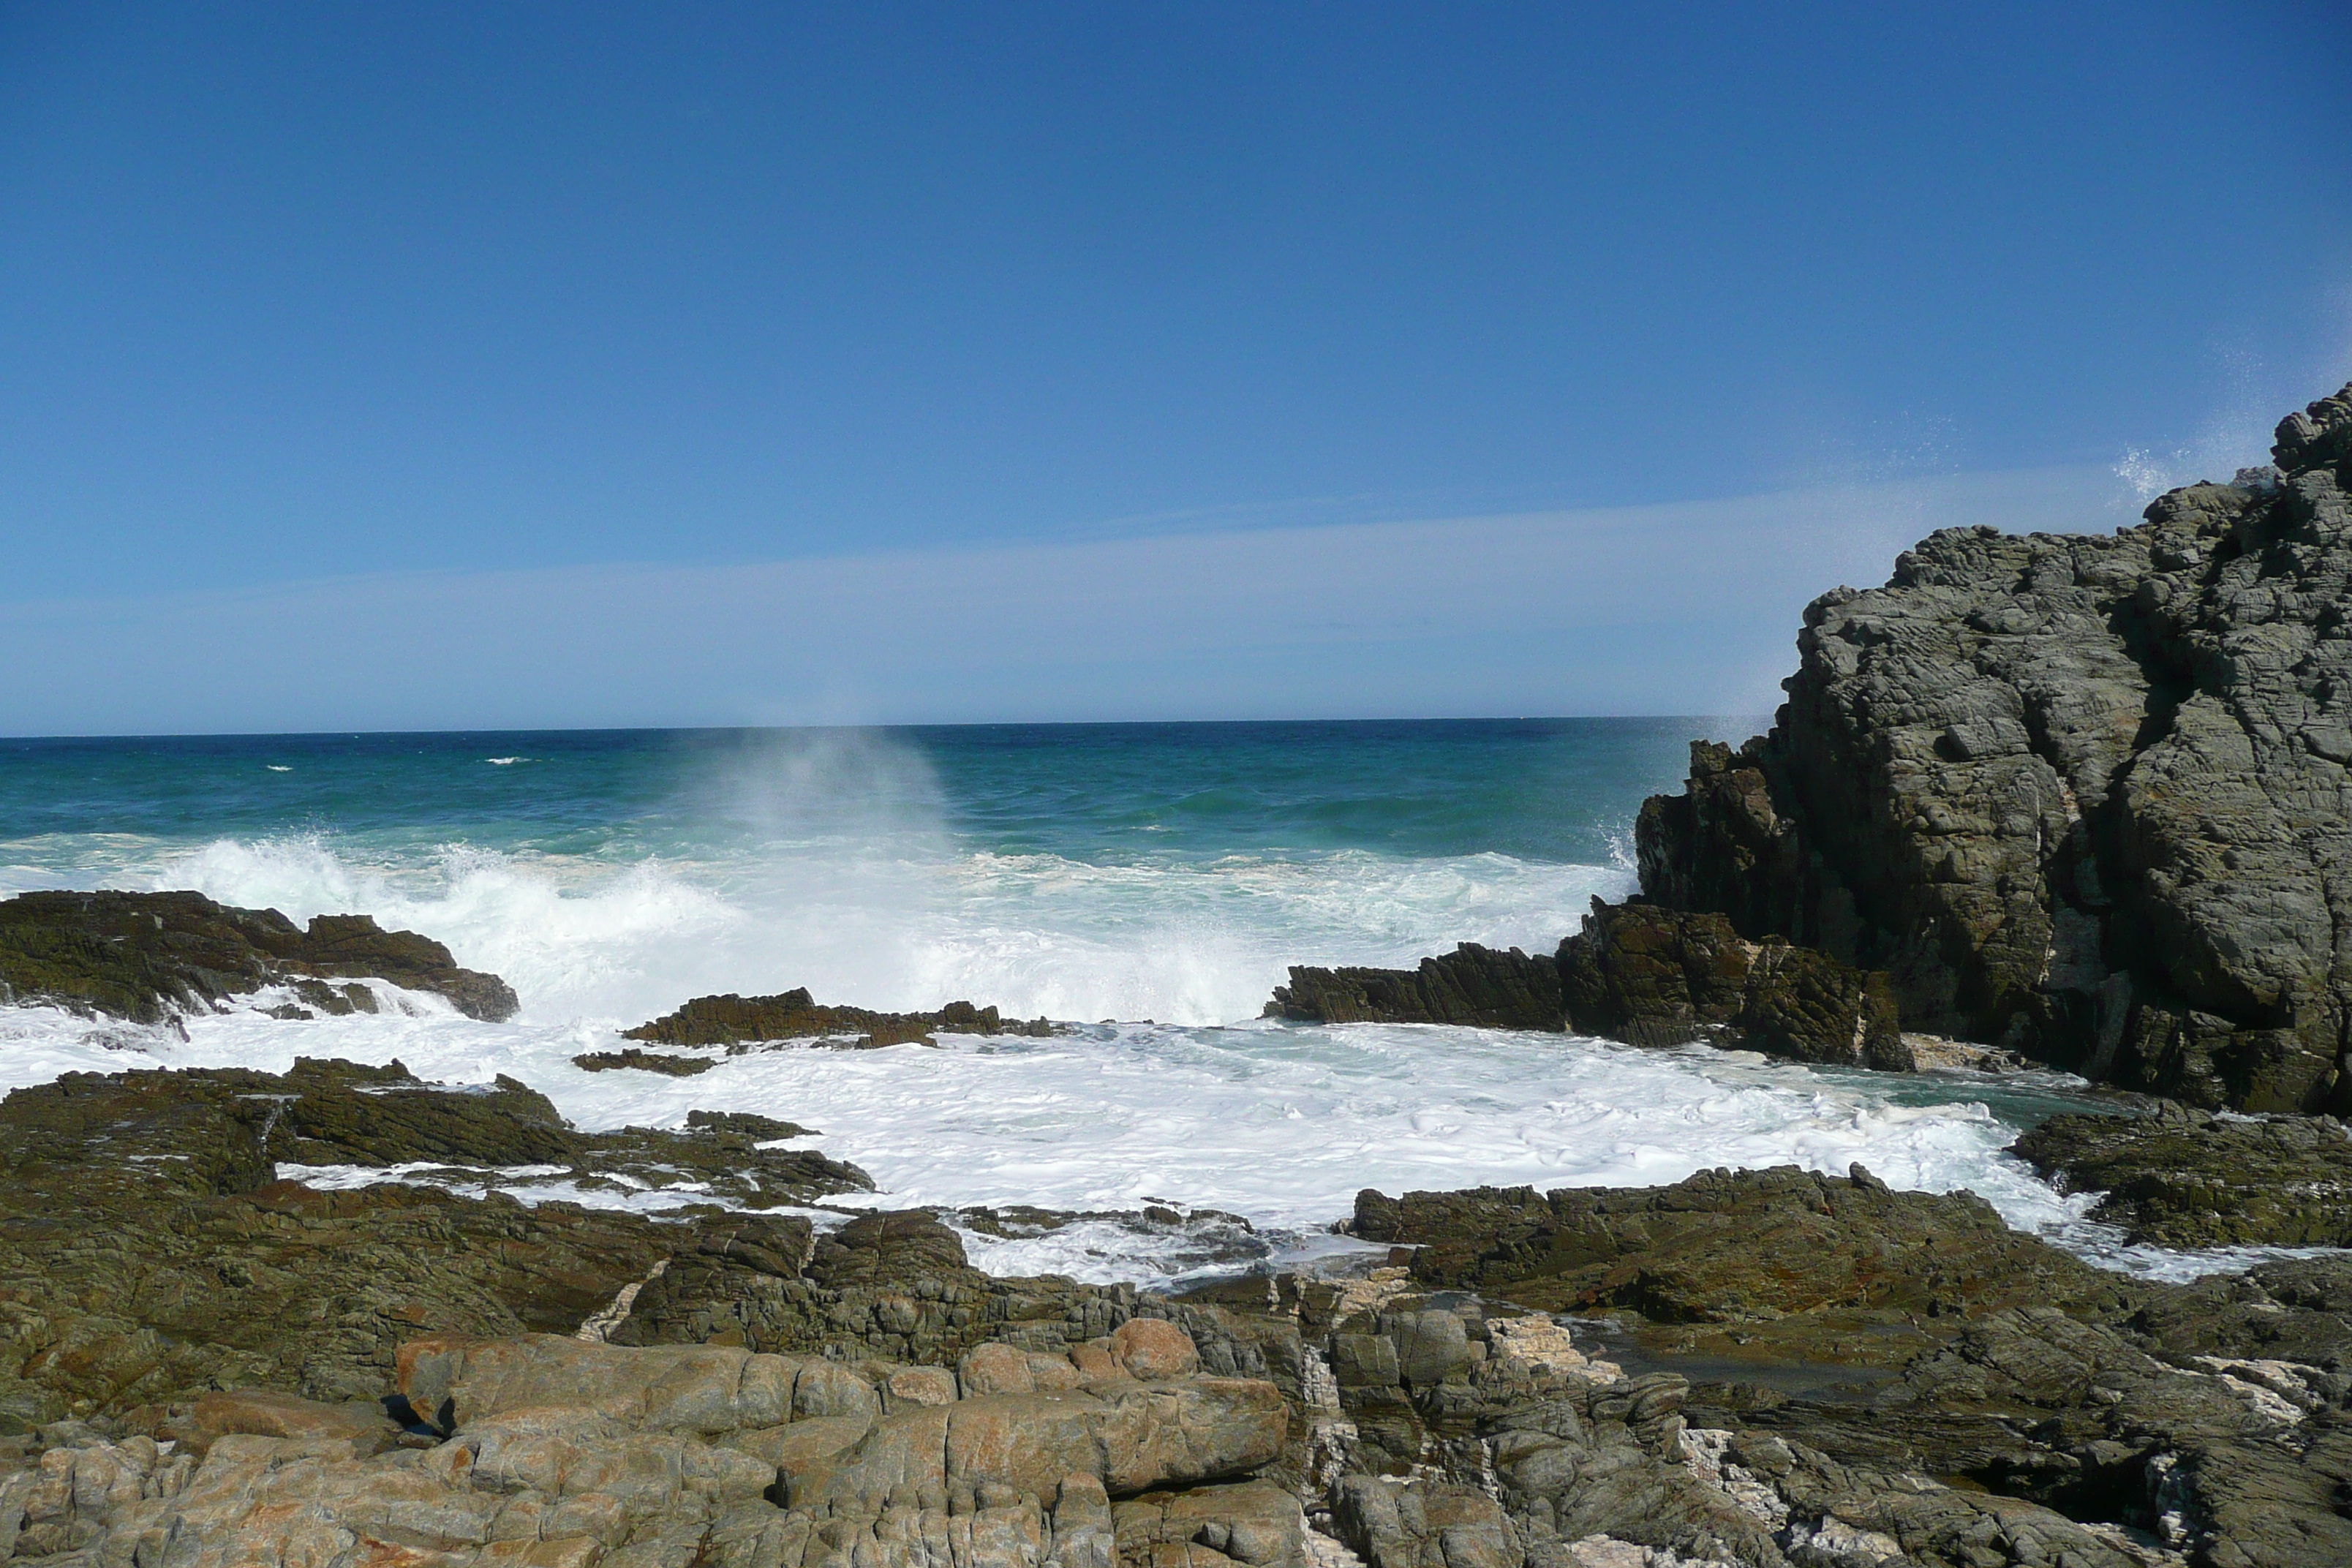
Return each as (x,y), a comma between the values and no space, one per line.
(2234,434)
(837,844)
(867,791)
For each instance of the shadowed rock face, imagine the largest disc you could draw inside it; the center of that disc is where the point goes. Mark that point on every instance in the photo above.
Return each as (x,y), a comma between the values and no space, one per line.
(2082,797)
(733,1020)
(1473,985)
(1663,977)
(143,955)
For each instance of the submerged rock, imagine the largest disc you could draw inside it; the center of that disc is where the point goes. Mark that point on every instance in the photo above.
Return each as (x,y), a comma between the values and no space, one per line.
(143,956)
(2187,1178)
(733,1020)
(2082,797)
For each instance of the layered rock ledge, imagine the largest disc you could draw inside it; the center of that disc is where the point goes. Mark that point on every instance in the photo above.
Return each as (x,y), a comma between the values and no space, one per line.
(555,1452)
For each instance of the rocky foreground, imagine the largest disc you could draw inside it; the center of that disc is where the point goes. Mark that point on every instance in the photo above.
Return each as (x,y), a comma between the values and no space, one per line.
(204,1361)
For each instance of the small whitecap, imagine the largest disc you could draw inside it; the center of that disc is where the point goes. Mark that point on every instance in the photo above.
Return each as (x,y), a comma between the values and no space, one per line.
(505,761)
(277,767)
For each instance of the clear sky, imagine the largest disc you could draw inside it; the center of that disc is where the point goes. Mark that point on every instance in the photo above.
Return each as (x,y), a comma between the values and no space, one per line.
(887,349)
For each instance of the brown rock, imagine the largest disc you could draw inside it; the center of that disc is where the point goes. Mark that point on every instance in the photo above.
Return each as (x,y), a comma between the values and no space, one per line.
(1152,1349)
(733,1020)
(1254,1522)
(912,1385)
(143,956)
(264,1413)
(683,1388)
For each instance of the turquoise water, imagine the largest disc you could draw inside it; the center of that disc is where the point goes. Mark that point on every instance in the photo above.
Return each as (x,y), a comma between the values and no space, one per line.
(1558,789)
(1169,871)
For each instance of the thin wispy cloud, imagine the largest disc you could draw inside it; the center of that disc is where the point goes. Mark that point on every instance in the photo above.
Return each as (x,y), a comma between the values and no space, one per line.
(1690,607)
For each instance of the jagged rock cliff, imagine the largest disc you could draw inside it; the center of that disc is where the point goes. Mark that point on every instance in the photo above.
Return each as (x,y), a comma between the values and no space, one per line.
(2084,796)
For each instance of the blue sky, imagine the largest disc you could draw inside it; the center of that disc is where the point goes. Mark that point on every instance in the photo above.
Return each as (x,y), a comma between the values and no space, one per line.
(312,312)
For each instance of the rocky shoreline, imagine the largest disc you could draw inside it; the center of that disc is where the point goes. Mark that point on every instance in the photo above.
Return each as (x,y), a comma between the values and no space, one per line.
(209,1364)
(2075,800)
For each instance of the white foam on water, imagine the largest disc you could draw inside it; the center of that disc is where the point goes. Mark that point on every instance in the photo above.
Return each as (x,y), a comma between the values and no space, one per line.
(1279,1124)
(893,923)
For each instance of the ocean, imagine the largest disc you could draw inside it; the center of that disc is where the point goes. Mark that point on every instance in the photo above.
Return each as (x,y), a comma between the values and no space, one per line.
(1146,885)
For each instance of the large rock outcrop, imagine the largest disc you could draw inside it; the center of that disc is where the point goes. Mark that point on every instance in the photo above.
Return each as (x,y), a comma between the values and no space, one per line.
(143,956)
(2084,796)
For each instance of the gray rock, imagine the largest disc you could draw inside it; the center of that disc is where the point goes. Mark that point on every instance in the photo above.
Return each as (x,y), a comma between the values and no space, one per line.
(2082,797)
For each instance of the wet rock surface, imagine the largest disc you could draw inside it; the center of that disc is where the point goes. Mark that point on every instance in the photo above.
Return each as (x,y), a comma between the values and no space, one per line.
(1636,972)
(2083,796)
(1663,977)
(143,956)
(733,1020)
(1473,985)
(643,1061)
(2186,1178)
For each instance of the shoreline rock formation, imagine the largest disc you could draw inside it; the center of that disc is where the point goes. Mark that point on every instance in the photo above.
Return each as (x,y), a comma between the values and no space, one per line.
(1813,1371)
(150,1248)
(1860,1363)
(145,956)
(2083,796)
(739,1022)
(1800,1370)
(2185,1178)
(2079,797)
(1636,972)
